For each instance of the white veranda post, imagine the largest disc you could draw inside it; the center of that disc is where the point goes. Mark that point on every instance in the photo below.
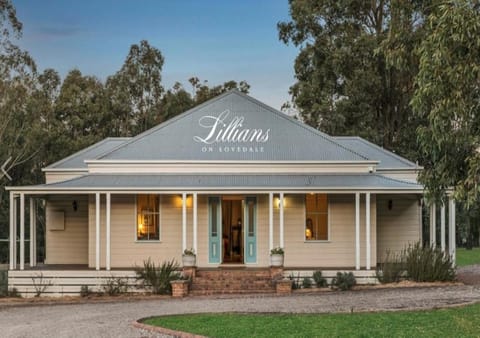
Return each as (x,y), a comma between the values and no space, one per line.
(367,229)
(184,221)
(357,231)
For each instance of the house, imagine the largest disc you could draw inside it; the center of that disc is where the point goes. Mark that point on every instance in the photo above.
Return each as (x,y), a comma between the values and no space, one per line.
(232,179)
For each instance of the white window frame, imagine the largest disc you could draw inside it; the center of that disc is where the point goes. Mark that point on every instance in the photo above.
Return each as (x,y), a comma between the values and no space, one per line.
(329,238)
(159,221)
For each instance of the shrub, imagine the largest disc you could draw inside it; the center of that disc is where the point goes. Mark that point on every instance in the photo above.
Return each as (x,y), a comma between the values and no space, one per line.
(85,291)
(189,252)
(157,279)
(3,283)
(428,264)
(277,251)
(13,292)
(40,285)
(344,281)
(307,283)
(295,281)
(320,281)
(392,269)
(114,286)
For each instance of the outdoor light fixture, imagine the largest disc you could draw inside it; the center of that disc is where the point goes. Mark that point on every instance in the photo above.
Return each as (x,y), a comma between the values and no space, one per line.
(75,205)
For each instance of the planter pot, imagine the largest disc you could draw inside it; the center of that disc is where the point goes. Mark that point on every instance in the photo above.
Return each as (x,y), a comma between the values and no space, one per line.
(179,288)
(188,260)
(276,260)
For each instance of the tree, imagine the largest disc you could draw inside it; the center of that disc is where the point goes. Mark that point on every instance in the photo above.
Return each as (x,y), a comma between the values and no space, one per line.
(79,113)
(356,67)
(448,95)
(136,89)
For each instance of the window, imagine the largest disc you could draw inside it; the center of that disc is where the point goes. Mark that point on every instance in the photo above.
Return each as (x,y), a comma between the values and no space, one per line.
(316,224)
(148,217)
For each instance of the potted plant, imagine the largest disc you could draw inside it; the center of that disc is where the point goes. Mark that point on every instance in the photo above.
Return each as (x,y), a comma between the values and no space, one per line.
(189,257)
(276,256)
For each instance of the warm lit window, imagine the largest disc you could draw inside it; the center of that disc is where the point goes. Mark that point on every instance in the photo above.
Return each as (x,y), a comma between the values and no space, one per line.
(148,220)
(316,224)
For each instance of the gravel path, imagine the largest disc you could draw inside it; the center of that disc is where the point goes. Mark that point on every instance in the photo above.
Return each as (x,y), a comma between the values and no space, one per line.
(114,319)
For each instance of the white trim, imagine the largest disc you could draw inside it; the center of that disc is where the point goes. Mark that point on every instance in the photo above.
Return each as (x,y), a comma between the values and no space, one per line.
(184,222)
(442,227)
(270,221)
(32,230)
(282,202)
(367,230)
(57,170)
(12,235)
(22,231)
(451,229)
(362,162)
(433,224)
(195,222)
(357,231)
(107,217)
(97,231)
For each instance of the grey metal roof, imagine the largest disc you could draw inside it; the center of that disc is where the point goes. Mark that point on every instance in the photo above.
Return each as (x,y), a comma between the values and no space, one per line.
(77,160)
(289,139)
(387,159)
(370,181)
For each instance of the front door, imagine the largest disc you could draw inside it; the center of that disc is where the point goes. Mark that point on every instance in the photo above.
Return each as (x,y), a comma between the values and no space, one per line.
(214,229)
(250,211)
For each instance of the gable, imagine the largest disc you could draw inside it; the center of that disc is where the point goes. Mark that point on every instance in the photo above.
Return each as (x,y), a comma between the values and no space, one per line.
(232,127)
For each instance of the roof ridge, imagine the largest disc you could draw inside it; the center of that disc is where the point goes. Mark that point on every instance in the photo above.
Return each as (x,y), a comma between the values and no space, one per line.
(167,122)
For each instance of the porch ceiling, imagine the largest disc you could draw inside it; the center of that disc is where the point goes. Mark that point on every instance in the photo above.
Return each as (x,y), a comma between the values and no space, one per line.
(224,182)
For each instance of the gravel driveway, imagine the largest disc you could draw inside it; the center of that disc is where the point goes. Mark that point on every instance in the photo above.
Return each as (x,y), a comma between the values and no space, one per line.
(114,319)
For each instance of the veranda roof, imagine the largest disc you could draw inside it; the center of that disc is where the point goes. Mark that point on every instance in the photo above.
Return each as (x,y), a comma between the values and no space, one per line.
(229,182)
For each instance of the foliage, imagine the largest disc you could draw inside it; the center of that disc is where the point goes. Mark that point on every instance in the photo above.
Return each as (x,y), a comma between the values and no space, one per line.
(295,281)
(277,251)
(447,96)
(356,67)
(85,291)
(114,286)
(40,285)
(306,283)
(450,322)
(467,257)
(3,283)
(158,278)
(391,269)
(344,281)
(320,281)
(189,252)
(428,264)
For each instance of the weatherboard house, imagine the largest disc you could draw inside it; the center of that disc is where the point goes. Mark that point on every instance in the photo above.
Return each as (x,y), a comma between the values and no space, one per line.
(231,179)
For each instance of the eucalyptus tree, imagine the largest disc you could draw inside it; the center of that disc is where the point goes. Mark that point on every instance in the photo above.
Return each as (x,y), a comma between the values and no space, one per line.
(356,65)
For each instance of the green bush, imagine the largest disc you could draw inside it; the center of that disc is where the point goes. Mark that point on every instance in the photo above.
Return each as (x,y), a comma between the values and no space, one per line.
(392,269)
(295,281)
(157,279)
(344,281)
(3,283)
(85,291)
(114,286)
(307,283)
(320,281)
(428,264)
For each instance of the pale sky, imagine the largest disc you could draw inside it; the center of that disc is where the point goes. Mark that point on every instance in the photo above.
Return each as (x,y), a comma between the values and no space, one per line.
(213,40)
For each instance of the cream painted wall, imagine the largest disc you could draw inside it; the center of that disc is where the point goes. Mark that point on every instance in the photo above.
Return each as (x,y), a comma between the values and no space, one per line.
(398,226)
(68,246)
(76,244)
(339,251)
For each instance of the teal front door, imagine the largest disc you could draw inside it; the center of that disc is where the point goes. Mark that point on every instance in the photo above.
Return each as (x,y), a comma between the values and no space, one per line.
(214,230)
(250,211)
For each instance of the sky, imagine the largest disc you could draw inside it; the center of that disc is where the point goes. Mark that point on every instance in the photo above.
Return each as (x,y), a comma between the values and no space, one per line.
(214,40)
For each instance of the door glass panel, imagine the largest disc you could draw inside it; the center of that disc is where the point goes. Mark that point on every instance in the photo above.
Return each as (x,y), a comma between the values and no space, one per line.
(214,219)
(251,227)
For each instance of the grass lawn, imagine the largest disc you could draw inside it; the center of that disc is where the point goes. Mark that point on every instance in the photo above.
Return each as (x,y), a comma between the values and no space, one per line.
(468,257)
(453,322)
